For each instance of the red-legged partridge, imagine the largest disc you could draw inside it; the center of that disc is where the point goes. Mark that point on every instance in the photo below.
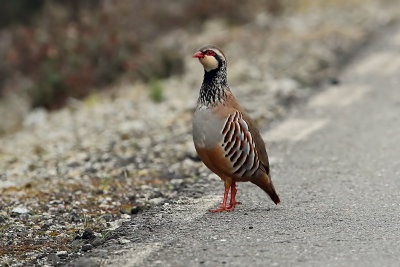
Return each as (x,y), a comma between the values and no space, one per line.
(225,138)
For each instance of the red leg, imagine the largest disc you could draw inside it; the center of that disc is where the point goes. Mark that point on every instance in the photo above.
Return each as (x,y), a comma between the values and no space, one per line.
(223,204)
(233,201)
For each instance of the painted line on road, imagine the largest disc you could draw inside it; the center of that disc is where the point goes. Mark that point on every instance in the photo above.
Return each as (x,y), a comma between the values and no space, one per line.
(294,130)
(197,208)
(395,39)
(339,95)
(393,67)
(189,211)
(133,255)
(374,62)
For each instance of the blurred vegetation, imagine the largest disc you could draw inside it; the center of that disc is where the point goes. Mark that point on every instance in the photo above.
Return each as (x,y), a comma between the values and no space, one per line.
(52,50)
(18,11)
(156,91)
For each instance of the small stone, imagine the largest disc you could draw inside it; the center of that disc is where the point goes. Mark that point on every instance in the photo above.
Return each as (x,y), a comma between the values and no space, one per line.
(88,234)
(157,201)
(132,198)
(87,247)
(62,254)
(125,216)
(19,210)
(98,241)
(99,192)
(45,226)
(135,210)
(123,241)
(176,182)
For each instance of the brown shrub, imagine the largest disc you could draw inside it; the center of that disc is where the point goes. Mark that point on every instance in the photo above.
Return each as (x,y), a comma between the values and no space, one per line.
(74,47)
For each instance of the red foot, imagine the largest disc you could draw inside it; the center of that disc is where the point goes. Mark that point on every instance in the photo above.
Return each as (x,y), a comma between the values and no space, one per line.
(232,206)
(222,208)
(233,201)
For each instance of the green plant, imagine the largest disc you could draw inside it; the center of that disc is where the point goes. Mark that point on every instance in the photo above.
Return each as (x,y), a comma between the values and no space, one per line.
(156,91)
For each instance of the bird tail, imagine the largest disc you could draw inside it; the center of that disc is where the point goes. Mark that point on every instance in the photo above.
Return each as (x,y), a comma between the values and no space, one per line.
(265,183)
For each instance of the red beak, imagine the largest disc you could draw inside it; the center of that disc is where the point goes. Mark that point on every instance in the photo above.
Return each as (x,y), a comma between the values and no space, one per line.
(199,55)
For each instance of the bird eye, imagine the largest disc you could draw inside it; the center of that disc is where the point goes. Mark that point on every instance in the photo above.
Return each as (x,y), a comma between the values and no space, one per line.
(210,53)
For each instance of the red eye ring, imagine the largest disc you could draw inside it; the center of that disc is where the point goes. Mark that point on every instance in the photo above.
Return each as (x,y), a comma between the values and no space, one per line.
(210,53)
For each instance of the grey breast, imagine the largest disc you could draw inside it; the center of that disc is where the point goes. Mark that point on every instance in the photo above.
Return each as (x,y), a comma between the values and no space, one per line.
(207,128)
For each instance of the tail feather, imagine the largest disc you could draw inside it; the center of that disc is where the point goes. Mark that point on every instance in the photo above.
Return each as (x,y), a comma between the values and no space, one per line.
(265,183)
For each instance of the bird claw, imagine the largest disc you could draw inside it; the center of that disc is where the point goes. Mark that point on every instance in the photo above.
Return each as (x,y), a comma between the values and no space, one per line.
(233,205)
(222,208)
(225,208)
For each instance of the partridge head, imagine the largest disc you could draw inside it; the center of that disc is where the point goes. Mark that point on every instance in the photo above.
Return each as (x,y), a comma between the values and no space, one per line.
(224,136)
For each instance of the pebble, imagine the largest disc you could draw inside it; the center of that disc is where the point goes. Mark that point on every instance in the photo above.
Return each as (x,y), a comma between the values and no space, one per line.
(20,210)
(157,201)
(125,216)
(86,247)
(124,241)
(62,253)
(88,234)
(97,241)
(135,210)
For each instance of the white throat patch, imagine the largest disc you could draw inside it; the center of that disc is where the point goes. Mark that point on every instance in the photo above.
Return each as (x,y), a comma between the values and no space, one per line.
(209,62)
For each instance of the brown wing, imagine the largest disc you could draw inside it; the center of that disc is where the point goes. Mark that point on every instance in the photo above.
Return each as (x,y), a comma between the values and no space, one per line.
(260,145)
(259,142)
(240,146)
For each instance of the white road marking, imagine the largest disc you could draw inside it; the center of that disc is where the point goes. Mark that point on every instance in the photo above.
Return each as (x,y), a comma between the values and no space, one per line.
(339,95)
(396,39)
(196,209)
(135,255)
(294,130)
(393,67)
(374,63)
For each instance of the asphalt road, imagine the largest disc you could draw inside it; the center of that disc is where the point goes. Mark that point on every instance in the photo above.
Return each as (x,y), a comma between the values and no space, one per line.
(336,166)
